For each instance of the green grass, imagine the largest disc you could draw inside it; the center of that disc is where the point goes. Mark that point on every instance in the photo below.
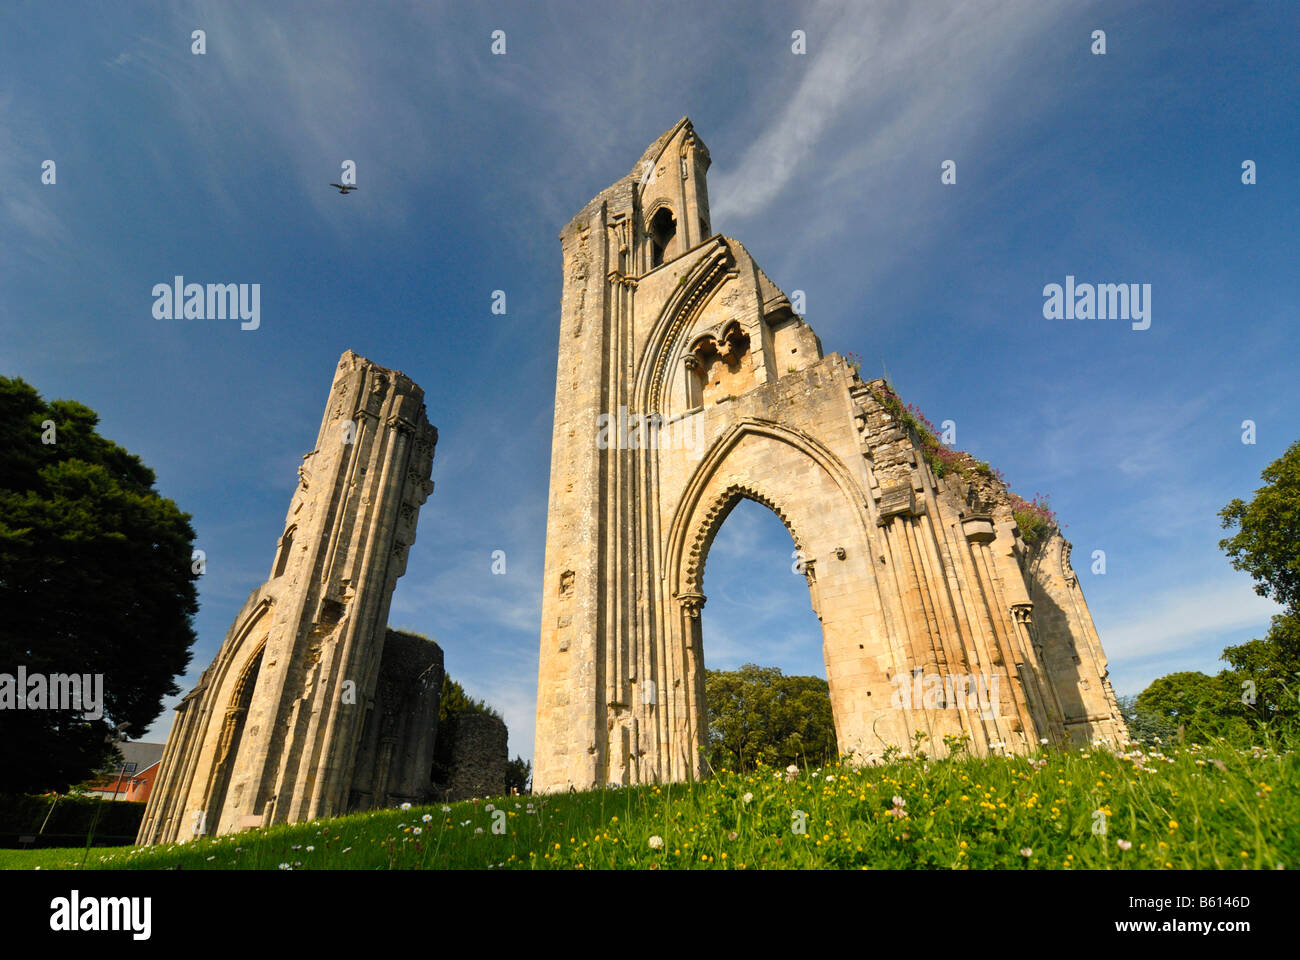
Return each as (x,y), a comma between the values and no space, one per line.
(1194,807)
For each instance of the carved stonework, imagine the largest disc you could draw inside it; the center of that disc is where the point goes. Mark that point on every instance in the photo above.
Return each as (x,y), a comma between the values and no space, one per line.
(299,639)
(1067,571)
(710,339)
(692,603)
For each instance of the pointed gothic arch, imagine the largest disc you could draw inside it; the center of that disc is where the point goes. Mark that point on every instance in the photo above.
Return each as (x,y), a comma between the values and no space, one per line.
(907,571)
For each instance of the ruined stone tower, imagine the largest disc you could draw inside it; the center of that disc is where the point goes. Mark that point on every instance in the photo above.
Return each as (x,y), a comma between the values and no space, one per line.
(306,710)
(687,382)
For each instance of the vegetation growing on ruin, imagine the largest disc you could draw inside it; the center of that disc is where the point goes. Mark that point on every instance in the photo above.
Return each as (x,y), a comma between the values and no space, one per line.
(1186,807)
(1035,518)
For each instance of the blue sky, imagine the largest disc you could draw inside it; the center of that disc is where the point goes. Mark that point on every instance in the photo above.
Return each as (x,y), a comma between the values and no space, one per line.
(1117,168)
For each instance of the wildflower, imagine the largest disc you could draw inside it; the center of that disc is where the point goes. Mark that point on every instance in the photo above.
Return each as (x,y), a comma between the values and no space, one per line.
(346,849)
(1042,740)
(478,829)
(406,806)
(899,802)
(489,808)
(285,866)
(748,798)
(427,817)
(417,831)
(1124,844)
(656,842)
(310,849)
(830,779)
(446,809)
(1026,852)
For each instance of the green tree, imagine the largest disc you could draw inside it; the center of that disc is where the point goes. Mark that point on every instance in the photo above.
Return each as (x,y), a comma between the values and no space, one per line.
(757,713)
(1266,545)
(1261,688)
(1267,542)
(1268,672)
(1195,705)
(95,578)
(519,775)
(1145,726)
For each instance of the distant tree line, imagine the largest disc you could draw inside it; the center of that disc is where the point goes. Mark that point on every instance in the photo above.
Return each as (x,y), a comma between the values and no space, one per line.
(1258,694)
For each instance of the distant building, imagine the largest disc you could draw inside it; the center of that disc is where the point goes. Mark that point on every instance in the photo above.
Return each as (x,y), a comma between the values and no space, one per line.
(132,776)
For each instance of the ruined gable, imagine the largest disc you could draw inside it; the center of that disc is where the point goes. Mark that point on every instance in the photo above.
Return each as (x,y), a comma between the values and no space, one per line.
(666,324)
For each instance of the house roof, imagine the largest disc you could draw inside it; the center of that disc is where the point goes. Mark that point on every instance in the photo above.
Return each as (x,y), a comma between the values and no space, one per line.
(143,755)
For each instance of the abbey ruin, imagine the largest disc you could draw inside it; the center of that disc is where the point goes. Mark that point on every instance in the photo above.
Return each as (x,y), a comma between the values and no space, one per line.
(312,708)
(913,575)
(686,382)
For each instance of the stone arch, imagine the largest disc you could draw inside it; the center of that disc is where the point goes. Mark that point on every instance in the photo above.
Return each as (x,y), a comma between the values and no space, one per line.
(661,232)
(903,578)
(232,675)
(665,344)
(716,514)
(816,497)
(233,717)
(684,553)
(284,552)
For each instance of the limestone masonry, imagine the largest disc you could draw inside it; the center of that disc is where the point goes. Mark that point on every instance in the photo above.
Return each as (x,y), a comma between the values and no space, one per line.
(306,710)
(673,328)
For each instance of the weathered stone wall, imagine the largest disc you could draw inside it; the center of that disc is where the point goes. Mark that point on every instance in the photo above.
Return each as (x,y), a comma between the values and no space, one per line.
(395,754)
(270,734)
(910,574)
(478,758)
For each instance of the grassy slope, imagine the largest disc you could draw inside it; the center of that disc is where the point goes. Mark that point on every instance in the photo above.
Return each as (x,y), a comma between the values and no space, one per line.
(1195,807)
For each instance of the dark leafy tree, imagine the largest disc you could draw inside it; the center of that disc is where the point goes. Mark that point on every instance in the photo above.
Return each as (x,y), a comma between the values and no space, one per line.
(1195,706)
(519,776)
(1267,542)
(1261,689)
(758,714)
(96,577)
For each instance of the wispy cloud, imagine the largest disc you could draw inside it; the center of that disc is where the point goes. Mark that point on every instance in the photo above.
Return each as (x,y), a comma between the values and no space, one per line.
(33,230)
(869,94)
(1176,621)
